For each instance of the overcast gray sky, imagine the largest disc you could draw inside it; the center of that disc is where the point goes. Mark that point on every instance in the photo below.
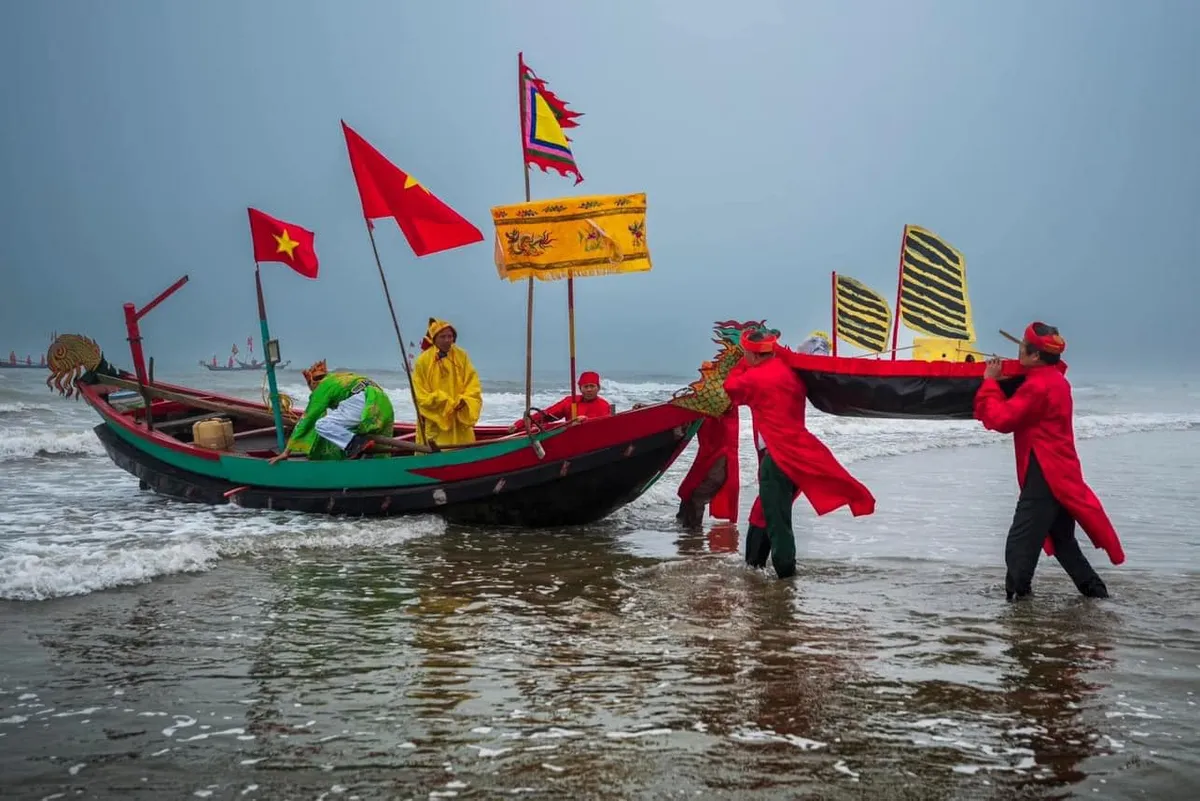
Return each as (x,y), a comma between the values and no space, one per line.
(1055,143)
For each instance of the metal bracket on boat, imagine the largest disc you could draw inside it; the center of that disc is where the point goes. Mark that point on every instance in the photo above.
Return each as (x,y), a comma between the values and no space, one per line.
(538,450)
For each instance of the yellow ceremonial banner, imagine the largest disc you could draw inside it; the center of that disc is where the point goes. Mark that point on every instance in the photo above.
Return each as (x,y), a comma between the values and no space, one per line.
(575,236)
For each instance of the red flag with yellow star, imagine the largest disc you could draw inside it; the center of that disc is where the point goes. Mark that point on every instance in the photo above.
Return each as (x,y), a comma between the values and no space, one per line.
(276,240)
(429,225)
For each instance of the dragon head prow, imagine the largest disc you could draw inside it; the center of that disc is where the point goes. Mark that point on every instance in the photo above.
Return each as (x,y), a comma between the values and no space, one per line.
(707,393)
(71,359)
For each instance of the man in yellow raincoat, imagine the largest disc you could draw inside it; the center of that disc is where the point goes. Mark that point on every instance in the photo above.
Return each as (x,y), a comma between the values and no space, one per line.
(449,397)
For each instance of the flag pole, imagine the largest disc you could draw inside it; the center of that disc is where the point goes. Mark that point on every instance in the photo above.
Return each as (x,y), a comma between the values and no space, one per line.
(522,106)
(399,337)
(571,339)
(272,386)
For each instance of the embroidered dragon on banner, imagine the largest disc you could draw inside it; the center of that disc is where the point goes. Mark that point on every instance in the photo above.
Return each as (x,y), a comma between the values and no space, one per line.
(706,394)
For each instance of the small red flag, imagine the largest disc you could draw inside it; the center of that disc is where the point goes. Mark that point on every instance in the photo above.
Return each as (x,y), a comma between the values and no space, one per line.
(276,240)
(429,225)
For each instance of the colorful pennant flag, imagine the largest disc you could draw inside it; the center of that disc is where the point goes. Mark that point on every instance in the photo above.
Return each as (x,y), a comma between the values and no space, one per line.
(543,120)
(276,240)
(429,225)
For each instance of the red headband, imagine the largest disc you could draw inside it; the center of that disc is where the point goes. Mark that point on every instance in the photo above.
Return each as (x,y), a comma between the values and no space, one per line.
(1051,343)
(589,377)
(764,345)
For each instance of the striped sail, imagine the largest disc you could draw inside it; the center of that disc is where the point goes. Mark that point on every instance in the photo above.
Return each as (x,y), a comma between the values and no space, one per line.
(933,287)
(864,318)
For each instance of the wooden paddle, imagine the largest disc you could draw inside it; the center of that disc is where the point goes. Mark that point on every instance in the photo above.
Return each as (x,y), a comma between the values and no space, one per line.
(189,400)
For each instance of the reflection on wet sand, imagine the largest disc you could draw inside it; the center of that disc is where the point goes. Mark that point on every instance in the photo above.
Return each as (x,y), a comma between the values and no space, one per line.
(567,665)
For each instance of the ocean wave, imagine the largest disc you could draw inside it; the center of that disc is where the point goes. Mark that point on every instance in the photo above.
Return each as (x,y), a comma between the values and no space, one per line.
(38,570)
(29,443)
(20,407)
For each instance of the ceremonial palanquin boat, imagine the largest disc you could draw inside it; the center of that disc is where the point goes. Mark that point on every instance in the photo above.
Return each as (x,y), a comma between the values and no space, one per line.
(847,386)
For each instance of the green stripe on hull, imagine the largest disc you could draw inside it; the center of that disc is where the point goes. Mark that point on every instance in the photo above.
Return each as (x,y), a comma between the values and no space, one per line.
(300,474)
(687,438)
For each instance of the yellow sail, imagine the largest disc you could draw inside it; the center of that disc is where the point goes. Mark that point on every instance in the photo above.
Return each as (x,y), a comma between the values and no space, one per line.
(933,287)
(864,318)
(576,236)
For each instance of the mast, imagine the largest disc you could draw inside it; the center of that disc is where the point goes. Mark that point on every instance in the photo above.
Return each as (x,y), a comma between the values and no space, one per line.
(899,287)
(522,107)
(833,327)
(272,386)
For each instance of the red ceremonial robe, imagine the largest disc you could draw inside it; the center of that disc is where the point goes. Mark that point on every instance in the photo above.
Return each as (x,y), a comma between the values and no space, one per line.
(561,410)
(1040,416)
(718,436)
(777,399)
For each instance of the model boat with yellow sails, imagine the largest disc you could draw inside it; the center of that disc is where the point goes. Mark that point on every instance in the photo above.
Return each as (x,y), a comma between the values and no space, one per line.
(940,381)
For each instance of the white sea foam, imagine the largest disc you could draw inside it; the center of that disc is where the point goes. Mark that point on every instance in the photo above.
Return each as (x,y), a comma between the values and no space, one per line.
(73,523)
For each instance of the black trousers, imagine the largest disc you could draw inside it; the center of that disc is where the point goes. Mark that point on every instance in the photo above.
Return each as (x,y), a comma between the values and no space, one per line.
(1040,514)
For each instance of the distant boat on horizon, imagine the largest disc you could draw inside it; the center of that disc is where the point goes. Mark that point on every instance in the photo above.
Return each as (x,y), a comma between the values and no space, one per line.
(235,364)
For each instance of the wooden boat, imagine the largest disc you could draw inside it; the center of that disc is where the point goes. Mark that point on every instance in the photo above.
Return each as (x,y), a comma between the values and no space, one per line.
(14,363)
(554,476)
(239,366)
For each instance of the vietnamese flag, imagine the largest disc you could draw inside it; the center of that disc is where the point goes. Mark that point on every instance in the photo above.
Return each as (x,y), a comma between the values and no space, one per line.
(429,225)
(276,240)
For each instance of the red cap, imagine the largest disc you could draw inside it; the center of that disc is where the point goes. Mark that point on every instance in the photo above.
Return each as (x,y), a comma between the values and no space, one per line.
(1051,343)
(763,343)
(589,377)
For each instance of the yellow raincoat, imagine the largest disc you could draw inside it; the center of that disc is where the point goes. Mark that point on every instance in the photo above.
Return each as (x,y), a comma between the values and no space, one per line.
(440,382)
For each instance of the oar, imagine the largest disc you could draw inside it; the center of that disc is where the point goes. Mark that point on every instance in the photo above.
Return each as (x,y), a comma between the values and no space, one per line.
(190,400)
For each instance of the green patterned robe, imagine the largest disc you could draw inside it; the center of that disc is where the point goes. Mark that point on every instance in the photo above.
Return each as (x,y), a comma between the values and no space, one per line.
(377,417)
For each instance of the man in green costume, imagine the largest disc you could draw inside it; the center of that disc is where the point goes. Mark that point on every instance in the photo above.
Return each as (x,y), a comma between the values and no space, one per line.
(343,412)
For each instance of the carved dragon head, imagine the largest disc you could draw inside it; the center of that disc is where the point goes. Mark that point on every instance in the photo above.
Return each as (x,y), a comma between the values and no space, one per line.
(706,395)
(71,358)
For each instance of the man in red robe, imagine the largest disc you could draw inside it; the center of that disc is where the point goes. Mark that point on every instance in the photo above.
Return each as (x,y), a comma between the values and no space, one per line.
(1054,495)
(792,461)
(588,404)
(713,478)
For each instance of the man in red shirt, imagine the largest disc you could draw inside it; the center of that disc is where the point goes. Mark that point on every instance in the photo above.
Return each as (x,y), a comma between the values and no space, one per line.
(713,478)
(1054,495)
(792,460)
(588,404)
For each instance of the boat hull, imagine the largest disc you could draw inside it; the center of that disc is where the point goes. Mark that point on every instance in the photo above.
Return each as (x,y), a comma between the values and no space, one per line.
(900,389)
(241,367)
(585,473)
(554,493)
